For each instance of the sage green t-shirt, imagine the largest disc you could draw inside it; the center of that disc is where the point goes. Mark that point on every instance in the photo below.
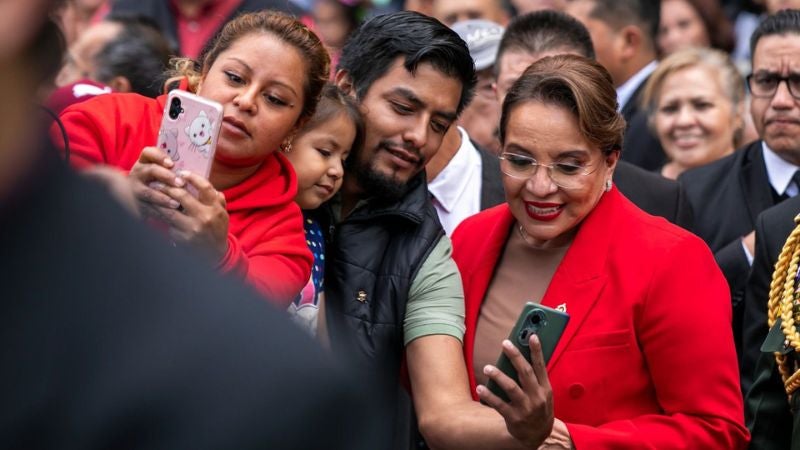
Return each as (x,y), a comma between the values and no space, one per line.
(436,297)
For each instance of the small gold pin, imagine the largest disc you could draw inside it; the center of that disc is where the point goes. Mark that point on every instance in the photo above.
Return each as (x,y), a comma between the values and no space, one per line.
(362,296)
(562,307)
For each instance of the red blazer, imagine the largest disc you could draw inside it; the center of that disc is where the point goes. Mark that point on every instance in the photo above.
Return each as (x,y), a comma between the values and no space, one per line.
(647,359)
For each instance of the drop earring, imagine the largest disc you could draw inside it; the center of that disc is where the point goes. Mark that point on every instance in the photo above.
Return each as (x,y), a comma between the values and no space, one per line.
(608,185)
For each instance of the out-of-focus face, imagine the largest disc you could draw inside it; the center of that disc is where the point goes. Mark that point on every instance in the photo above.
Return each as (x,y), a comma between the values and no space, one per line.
(512,64)
(318,156)
(680,27)
(19,23)
(529,6)
(406,116)
(550,215)
(774,6)
(262,101)
(608,43)
(420,6)
(694,118)
(777,118)
(480,118)
(451,11)
(330,23)
(81,56)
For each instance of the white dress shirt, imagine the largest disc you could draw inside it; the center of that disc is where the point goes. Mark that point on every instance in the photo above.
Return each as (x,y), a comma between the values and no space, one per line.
(780,172)
(456,190)
(628,88)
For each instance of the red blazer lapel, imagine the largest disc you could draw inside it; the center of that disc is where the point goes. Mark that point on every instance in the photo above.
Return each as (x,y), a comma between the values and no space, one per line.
(476,281)
(581,276)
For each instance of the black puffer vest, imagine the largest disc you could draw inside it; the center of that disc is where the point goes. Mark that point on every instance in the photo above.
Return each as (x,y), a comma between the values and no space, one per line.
(372,257)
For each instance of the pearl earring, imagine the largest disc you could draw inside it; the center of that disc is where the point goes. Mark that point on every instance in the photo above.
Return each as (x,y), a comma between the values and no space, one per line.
(608,185)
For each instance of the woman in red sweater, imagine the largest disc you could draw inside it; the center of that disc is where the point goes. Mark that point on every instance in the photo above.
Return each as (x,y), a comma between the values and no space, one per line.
(267,70)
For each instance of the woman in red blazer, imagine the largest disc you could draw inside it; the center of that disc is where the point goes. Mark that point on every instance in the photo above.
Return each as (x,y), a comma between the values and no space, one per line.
(647,359)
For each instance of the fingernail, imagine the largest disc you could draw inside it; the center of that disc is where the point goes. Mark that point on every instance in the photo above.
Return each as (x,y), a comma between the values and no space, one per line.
(488,370)
(184,173)
(178,181)
(157,185)
(535,338)
(507,344)
(174,204)
(479,389)
(168,162)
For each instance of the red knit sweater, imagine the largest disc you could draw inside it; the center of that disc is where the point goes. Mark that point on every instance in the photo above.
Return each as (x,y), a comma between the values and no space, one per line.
(266,241)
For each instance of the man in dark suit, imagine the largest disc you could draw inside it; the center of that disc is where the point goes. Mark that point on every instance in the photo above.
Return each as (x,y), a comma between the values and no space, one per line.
(767,410)
(624,36)
(463,177)
(111,337)
(545,33)
(727,195)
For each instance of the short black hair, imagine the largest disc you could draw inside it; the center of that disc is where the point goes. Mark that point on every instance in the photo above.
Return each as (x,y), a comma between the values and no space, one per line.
(543,31)
(372,49)
(646,14)
(782,22)
(139,53)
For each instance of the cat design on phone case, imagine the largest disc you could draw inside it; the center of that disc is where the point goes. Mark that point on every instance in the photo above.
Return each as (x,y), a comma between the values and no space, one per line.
(200,134)
(168,141)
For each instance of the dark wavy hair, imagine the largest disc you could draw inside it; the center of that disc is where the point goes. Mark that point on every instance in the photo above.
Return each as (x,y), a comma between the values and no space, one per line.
(417,38)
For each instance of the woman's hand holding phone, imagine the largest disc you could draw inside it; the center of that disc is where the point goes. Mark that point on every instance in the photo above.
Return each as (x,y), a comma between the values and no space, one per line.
(529,413)
(201,221)
(152,172)
(161,193)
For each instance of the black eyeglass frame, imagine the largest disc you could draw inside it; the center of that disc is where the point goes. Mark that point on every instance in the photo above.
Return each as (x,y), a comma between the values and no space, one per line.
(780,80)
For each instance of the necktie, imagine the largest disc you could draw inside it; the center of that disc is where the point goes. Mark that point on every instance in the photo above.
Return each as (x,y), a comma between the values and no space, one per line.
(796,183)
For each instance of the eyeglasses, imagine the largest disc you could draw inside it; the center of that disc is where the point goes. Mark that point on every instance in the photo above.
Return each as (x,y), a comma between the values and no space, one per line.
(765,84)
(565,175)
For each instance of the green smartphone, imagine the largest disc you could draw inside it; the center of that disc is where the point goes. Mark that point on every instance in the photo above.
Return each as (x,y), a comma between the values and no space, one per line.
(547,323)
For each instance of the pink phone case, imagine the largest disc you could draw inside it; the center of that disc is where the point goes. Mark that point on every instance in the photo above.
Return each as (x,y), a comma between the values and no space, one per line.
(189,130)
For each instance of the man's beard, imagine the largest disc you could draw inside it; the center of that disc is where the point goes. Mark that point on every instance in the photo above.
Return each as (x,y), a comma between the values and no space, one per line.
(375,183)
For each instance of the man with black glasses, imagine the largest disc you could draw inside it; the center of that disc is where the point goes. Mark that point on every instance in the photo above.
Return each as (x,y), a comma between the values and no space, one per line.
(728,195)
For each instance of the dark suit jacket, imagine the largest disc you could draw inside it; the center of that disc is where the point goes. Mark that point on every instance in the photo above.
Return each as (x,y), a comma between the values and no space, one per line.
(767,409)
(492,192)
(112,338)
(726,197)
(654,194)
(641,147)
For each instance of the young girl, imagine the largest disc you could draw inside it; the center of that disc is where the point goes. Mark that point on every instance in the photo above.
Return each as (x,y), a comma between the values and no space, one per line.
(317,153)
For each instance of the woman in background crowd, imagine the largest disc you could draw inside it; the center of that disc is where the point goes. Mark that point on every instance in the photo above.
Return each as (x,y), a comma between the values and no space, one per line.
(244,216)
(696,101)
(317,154)
(334,20)
(647,358)
(694,23)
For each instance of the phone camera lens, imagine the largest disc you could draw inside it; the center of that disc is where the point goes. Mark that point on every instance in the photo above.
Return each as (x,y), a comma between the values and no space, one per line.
(175,109)
(524,337)
(537,319)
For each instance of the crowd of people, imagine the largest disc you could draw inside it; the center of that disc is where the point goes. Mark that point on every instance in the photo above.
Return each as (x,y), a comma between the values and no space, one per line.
(389,184)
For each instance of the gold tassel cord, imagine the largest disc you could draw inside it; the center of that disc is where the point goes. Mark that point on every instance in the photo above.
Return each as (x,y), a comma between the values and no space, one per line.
(782,303)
